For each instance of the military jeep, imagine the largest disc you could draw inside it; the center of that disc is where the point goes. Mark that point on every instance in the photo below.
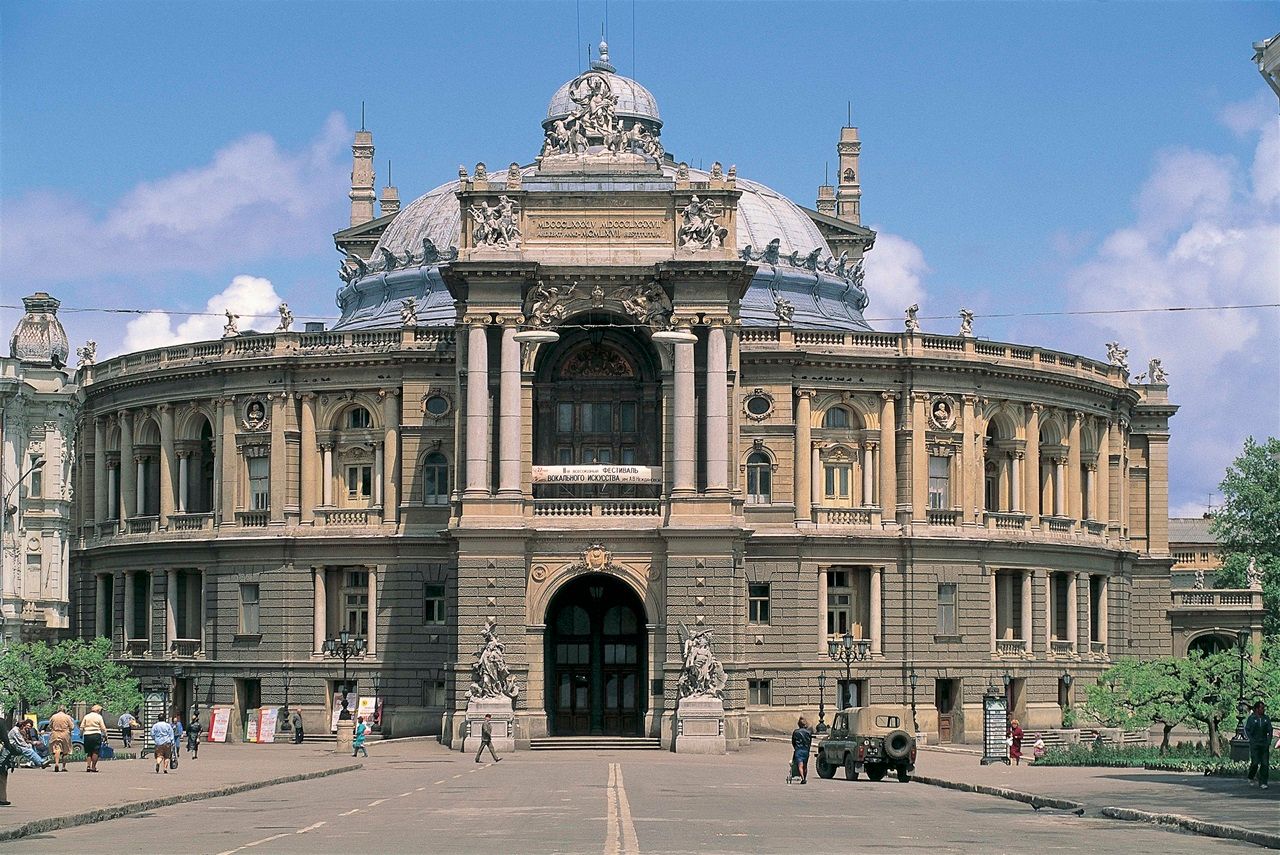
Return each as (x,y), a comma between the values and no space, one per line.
(868,739)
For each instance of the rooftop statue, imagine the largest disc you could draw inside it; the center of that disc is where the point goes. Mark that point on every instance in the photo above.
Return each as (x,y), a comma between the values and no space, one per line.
(1117,355)
(547,305)
(86,354)
(409,311)
(701,228)
(490,677)
(913,325)
(286,318)
(230,330)
(966,323)
(702,675)
(783,308)
(1156,372)
(496,225)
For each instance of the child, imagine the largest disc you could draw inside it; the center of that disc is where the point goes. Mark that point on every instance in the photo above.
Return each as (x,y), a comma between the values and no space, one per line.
(1037,750)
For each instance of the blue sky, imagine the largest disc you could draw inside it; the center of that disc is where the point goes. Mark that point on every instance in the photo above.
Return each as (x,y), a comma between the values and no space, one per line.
(1016,157)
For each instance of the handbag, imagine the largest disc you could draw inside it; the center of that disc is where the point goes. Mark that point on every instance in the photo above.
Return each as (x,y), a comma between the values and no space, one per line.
(173,760)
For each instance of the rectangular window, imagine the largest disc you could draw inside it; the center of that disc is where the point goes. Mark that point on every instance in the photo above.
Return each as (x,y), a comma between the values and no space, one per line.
(851,693)
(433,603)
(849,602)
(564,456)
(760,693)
(836,479)
(433,693)
(141,598)
(250,614)
(758,602)
(595,418)
(359,482)
(628,457)
(37,479)
(355,602)
(939,482)
(947,609)
(259,483)
(1095,608)
(1060,592)
(564,418)
(627,417)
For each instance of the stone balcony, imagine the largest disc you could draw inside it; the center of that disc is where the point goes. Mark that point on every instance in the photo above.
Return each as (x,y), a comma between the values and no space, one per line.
(598,507)
(186,648)
(1011,648)
(867,517)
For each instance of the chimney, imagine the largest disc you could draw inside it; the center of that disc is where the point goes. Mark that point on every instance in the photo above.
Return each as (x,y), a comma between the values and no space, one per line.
(362,178)
(390,202)
(849,189)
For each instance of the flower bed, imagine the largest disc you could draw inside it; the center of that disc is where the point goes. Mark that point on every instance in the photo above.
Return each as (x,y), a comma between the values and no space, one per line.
(1183,757)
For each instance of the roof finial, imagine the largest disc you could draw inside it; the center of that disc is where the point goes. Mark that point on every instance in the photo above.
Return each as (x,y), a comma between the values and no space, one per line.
(848,122)
(602,64)
(362,115)
(390,183)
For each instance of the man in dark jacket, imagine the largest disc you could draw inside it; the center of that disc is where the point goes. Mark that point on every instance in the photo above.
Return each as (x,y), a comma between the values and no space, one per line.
(801,744)
(486,739)
(295,721)
(1259,732)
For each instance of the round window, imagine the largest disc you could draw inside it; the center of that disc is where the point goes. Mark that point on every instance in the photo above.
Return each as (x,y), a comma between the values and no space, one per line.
(437,405)
(759,405)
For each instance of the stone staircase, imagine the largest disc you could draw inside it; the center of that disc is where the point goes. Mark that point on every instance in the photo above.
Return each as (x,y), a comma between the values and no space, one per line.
(596,743)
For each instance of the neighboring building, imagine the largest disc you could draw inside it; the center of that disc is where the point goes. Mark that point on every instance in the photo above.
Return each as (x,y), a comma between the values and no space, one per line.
(38,411)
(1194,549)
(1267,55)
(594,398)
(1201,616)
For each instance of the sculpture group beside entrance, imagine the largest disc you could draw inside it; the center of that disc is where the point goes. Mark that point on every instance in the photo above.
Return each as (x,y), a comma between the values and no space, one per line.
(493,690)
(700,711)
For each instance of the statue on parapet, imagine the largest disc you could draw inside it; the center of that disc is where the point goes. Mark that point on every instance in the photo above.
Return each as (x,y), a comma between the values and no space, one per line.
(966,323)
(1118,356)
(490,677)
(702,675)
(230,330)
(286,317)
(913,325)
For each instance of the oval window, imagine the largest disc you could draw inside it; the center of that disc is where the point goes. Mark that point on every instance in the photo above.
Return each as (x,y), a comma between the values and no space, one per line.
(437,405)
(758,405)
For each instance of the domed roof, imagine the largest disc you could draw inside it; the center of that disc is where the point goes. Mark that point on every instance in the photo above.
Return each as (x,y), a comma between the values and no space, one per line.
(39,337)
(634,101)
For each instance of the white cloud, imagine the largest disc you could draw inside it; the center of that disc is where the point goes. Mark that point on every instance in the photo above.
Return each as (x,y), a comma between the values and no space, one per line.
(894,269)
(253,298)
(1207,233)
(251,200)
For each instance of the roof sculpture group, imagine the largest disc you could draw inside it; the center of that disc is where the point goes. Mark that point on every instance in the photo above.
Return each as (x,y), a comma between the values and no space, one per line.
(594,123)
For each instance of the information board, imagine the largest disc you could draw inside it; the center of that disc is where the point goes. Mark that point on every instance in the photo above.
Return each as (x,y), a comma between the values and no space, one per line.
(597,474)
(267,719)
(995,728)
(367,709)
(251,725)
(219,719)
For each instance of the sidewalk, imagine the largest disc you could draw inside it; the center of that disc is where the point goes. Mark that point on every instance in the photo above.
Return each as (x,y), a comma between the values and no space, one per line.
(1225,801)
(38,794)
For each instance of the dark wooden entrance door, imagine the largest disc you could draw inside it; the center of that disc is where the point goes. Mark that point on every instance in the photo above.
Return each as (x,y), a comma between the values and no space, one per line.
(595,659)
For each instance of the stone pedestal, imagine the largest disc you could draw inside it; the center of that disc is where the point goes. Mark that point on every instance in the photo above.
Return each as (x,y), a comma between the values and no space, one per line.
(346,735)
(700,726)
(503,724)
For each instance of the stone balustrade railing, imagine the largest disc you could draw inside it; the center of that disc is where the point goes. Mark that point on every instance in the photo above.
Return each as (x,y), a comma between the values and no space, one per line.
(865,517)
(1010,647)
(597,507)
(1062,648)
(279,345)
(1229,599)
(185,648)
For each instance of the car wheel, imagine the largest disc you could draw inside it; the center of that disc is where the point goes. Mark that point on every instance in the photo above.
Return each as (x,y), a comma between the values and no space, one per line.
(850,769)
(903,775)
(898,745)
(825,769)
(876,773)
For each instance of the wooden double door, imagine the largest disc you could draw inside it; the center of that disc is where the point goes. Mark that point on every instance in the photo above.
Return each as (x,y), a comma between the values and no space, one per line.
(596,650)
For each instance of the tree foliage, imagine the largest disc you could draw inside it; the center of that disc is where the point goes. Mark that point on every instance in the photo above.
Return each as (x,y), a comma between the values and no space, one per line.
(1136,694)
(40,678)
(1248,524)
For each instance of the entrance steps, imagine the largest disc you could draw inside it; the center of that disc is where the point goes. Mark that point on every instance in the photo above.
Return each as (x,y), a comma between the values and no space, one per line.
(596,743)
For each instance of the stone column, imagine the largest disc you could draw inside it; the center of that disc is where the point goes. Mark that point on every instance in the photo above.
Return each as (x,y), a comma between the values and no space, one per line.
(229,466)
(1059,486)
(372,641)
(717,380)
(140,482)
(1102,484)
(168,454)
(130,604)
(391,455)
(101,606)
(803,457)
(822,610)
(170,609)
(184,480)
(815,478)
(888,458)
(326,476)
(868,474)
(477,411)
(877,583)
(128,474)
(279,462)
(1074,490)
(320,616)
(1027,631)
(509,428)
(1088,502)
(972,475)
(1122,514)
(1073,609)
(684,422)
(113,493)
(1015,475)
(377,474)
(307,462)
(995,609)
(1104,608)
(1031,500)
(100,493)
(919,460)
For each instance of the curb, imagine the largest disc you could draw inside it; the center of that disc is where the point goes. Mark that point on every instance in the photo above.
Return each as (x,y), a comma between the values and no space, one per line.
(57,823)
(1032,799)
(1198,826)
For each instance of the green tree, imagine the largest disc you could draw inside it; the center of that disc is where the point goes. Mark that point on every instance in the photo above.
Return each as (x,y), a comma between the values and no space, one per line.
(1136,694)
(84,672)
(1247,526)
(24,677)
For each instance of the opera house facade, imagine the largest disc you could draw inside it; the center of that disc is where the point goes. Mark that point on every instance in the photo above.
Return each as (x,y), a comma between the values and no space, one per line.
(599,400)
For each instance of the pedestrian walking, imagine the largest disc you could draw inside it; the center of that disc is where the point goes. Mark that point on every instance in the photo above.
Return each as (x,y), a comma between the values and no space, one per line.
(295,720)
(178,733)
(801,744)
(126,723)
(60,727)
(162,738)
(193,738)
(1015,742)
(7,752)
(1259,731)
(486,739)
(94,731)
(357,742)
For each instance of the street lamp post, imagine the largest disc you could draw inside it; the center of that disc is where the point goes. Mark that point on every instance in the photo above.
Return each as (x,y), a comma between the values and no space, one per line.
(848,650)
(344,647)
(822,703)
(1242,648)
(913,678)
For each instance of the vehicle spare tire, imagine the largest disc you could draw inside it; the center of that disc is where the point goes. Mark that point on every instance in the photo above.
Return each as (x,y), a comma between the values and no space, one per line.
(898,745)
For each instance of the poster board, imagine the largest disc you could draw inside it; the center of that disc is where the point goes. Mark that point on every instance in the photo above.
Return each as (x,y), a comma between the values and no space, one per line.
(267,720)
(251,725)
(367,708)
(353,702)
(219,719)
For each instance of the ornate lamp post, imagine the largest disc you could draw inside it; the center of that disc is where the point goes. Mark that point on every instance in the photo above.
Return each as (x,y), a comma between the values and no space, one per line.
(913,678)
(848,650)
(1242,649)
(822,703)
(344,647)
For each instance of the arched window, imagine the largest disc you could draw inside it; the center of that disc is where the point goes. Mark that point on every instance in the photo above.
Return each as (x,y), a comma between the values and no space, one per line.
(836,417)
(358,418)
(620,620)
(435,479)
(573,620)
(759,479)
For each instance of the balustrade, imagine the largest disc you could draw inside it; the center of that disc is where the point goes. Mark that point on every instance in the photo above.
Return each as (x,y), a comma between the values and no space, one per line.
(846,516)
(185,648)
(597,507)
(1010,647)
(253,519)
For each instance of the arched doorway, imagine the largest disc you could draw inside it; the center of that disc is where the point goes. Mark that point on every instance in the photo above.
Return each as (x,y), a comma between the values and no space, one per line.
(595,656)
(1211,644)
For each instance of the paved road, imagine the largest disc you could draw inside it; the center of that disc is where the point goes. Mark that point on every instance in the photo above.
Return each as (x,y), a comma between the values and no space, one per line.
(417,797)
